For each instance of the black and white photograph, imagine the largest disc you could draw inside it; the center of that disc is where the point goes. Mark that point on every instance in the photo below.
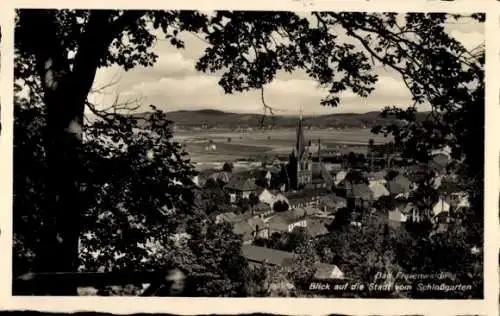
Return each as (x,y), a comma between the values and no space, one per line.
(315,154)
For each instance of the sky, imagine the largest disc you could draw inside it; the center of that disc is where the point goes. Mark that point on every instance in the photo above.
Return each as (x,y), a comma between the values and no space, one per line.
(174,84)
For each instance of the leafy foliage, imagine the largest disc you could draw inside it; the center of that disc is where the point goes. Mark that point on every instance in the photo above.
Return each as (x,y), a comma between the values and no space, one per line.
(228,167)
(212,198)
(280,206)
(139,205)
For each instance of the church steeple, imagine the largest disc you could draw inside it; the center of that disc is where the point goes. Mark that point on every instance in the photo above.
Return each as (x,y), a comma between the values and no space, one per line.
(319,150)
(301,142)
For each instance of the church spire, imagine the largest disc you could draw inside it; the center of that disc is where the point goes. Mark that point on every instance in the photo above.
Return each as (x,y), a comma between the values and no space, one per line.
(319,149)
(300,146)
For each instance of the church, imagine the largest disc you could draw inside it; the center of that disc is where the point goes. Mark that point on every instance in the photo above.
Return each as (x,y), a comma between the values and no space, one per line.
(302,172)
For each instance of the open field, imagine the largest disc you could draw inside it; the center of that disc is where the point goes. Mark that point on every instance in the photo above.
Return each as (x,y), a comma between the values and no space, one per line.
(232,145)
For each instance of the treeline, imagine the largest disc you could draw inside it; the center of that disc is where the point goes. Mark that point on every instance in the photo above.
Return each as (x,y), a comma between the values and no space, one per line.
(220,119)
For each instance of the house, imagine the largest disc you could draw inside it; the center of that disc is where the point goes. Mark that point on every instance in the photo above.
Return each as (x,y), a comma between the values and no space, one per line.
(239,187)
(250,229)
(449,186)
(441,206)
(439,162)
(228,217)
(259,227)
(306,197)
(400,185)
(414,213)
(199,181)
(301,201)
(437,181)
(281,197)
(262,210)
(339,177)
(316,228)
(463,202)
(326,271)
(377,176)
(332,203)
(265,196)
(222,176)
(265,174)
(397,215)
(287,221)
(378,189)
(257,256)
(405,212)
(308,211)
(211,147)
(265,256)
(359,194)
(246,231)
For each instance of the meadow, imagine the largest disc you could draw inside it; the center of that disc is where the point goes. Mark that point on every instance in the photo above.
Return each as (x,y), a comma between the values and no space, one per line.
(235,145)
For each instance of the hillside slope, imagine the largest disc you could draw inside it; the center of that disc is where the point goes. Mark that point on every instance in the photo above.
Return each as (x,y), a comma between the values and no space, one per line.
(220,119)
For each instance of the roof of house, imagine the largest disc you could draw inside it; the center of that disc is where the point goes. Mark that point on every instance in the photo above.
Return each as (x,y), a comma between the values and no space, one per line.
(340,176)
(242,184)
(199,181)
(260,173)
(316,228)
(299,200)
(377,175)
(243,228)
(266,196)
(223,176)
(270,256)
(439,161)
(281,197)
(407,208)
(397,216)
(328,202)
(440,206)
(289,217)
(449,186)
(273,169)
(256,223)
(310,210)
(378,189)
(325,271)
(283,258)
(362,191)
(262,207)
(399,184)
(355,176)
(338,199)
(307,193)
(207,172)
(230,217)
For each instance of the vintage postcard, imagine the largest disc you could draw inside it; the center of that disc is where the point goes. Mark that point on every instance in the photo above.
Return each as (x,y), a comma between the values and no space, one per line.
(232,152)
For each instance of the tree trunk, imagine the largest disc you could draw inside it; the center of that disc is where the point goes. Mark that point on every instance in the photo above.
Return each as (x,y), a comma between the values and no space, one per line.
(63,139)
(65,93)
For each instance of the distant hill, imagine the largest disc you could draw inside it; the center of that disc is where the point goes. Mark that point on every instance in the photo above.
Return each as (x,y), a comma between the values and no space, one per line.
(220,119)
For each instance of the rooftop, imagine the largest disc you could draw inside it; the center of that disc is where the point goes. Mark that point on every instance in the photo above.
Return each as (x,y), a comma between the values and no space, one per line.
(242,184)
(267,255)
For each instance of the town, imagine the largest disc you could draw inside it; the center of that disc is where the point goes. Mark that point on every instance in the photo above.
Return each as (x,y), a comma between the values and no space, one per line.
(307,195)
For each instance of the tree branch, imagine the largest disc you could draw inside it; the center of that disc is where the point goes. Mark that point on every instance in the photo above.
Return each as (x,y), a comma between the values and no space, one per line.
(94,43)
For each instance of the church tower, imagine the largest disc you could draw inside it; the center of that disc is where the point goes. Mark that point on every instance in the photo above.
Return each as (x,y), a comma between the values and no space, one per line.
(300,159)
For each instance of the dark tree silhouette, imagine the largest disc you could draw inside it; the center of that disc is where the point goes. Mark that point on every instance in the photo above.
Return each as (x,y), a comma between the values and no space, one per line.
(280,206)
(227,167)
